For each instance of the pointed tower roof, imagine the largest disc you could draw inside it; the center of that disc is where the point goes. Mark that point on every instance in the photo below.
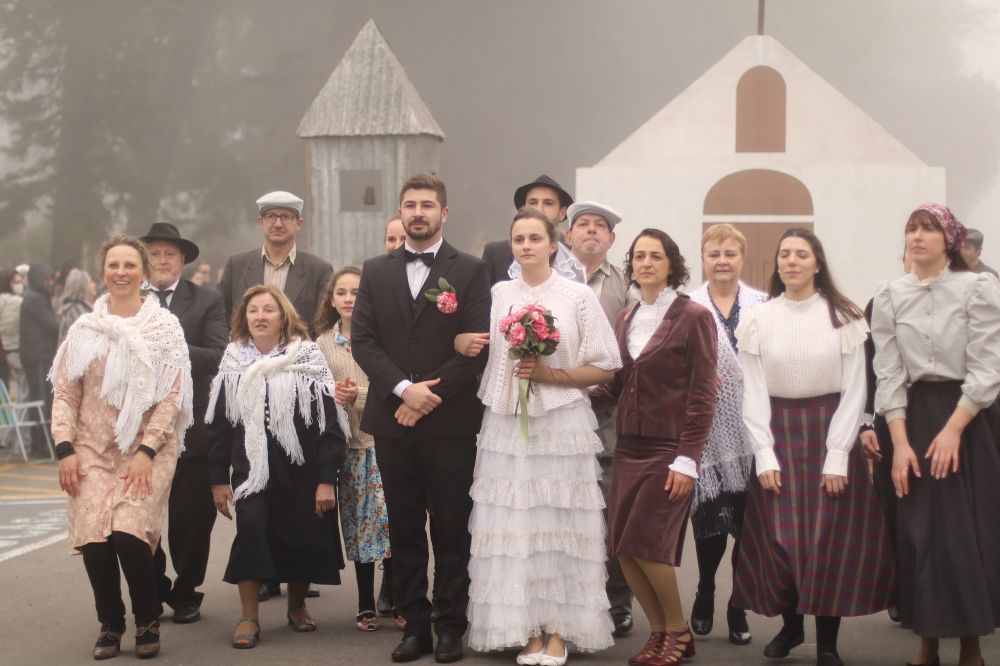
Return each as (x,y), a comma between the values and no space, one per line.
(368,94)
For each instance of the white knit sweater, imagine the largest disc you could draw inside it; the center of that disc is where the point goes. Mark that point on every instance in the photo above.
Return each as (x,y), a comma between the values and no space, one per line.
(789,349)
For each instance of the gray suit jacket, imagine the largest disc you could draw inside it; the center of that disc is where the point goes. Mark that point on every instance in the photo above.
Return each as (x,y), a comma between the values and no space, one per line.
(304,286)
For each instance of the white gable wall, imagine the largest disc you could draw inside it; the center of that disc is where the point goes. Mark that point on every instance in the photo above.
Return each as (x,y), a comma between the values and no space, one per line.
(862,180)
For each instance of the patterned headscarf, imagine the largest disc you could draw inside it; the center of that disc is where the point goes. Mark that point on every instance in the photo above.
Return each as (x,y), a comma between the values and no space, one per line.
(954,231)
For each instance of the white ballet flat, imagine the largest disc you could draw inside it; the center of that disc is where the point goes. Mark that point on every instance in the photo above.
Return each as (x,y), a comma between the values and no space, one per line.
(551,660)
(530,658)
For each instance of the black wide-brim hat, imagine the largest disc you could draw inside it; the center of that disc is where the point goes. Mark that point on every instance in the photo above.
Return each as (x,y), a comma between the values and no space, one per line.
(521,193)
(164,231)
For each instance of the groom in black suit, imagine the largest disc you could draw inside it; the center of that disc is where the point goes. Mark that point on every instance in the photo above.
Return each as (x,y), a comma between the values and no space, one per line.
(423,411)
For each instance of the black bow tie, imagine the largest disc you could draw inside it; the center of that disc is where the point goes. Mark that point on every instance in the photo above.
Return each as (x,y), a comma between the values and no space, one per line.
(426,257)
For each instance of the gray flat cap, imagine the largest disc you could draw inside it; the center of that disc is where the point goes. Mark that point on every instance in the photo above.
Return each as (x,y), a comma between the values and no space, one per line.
(280,199)
(581,207)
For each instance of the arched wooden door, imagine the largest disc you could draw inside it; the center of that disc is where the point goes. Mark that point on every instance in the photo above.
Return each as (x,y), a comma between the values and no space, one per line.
(762,204)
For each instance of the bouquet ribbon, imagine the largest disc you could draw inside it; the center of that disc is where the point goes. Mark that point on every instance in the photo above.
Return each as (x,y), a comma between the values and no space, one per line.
(522,400)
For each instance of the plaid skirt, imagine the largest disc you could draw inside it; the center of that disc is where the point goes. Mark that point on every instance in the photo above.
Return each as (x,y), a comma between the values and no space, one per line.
(800,547)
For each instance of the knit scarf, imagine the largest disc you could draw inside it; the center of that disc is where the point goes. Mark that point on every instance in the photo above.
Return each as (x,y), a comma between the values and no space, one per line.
(726,458)
(144,355)
(256,385)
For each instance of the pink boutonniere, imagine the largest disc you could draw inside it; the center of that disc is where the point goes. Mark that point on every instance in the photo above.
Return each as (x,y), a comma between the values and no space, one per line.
(444,297)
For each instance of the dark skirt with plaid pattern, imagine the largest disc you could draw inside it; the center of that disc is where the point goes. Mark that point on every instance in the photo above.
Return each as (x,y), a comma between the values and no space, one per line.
(802,548)
(948,529)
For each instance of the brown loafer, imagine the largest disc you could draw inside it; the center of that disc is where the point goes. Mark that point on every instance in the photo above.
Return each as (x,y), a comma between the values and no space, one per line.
(147,640)
(109,643)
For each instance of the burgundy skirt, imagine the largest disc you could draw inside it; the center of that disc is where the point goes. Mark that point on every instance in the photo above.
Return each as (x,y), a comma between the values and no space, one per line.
(641,522)
(802,548)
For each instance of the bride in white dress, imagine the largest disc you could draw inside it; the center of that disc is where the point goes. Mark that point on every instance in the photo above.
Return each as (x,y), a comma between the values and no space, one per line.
(538,536)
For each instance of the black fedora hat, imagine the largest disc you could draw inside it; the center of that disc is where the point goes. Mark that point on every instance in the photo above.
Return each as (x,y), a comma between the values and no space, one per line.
(521,193)
(164,231)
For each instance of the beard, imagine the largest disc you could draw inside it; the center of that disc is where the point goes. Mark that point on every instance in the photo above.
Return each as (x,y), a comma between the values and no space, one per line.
(431,228)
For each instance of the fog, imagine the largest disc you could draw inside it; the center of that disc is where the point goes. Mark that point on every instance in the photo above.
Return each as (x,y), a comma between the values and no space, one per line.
(117,113)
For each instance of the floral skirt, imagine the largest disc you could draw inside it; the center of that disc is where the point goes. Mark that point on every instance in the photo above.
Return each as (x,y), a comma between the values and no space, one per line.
(363,516)
(538,533)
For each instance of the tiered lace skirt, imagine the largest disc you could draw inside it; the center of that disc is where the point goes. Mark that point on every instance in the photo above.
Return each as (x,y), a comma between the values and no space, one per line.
(538,547)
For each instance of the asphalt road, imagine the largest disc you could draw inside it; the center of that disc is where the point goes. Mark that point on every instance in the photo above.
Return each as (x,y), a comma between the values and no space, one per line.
(47,613)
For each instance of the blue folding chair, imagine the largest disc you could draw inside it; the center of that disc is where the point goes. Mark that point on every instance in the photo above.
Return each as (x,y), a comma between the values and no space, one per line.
(16,416)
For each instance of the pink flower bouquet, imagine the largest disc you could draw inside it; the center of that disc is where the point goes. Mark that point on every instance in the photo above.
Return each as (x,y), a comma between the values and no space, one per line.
(530,332)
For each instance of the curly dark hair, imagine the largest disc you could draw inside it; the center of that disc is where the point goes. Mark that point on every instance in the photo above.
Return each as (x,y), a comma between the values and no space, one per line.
(678,269)
(842,309)
(326,316)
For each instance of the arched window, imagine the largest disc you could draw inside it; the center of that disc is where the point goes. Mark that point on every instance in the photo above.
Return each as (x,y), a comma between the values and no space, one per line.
(760,111)
(758,192)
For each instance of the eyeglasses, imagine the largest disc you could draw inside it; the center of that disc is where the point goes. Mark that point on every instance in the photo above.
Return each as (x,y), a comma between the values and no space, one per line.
(284,218)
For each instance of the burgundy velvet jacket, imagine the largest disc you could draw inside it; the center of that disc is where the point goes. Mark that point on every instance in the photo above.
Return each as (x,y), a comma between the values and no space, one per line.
(667,393)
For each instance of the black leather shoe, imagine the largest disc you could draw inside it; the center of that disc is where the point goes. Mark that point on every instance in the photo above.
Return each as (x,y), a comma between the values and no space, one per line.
(782,644)
(893,613)
(739,630)
(623,624)
(412,647)
(186,613)
(828,659)
(449,649)
(702,614)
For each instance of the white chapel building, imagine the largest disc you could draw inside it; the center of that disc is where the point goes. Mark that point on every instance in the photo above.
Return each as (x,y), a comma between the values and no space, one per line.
(763,142)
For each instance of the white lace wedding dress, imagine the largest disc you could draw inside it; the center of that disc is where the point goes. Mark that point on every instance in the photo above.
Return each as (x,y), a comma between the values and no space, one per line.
(538,536)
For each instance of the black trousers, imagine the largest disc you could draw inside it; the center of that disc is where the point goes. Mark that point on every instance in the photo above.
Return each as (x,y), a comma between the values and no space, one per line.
(417,470)
(136,559)
(189,533)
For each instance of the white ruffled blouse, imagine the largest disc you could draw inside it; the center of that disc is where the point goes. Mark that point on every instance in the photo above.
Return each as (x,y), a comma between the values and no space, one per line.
(790,349)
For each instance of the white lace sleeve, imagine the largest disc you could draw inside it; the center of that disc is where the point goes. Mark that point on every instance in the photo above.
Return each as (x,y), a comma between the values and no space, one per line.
(598,346)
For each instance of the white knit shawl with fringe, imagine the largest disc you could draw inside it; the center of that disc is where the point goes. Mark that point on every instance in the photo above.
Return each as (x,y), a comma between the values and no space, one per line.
(144,354)
(726,459)
(274,385)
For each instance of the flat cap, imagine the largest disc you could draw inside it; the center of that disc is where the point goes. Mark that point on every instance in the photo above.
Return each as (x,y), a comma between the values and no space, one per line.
(280,199)
(581,207)
(975,238)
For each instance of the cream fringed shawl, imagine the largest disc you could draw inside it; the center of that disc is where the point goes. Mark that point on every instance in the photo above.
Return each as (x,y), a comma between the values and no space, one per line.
(263,391)
(726,459)
(144,355)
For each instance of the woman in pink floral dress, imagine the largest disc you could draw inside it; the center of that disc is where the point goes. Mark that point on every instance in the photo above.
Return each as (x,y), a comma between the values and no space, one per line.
(122,382)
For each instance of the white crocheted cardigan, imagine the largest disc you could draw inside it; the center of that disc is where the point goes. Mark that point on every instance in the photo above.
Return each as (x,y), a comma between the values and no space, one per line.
(586,339)
(727,457)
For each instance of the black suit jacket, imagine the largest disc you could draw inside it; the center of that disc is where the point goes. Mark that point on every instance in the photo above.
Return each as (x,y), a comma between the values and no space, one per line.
(498,257)
(303,287)
(203,319)
(394,337)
